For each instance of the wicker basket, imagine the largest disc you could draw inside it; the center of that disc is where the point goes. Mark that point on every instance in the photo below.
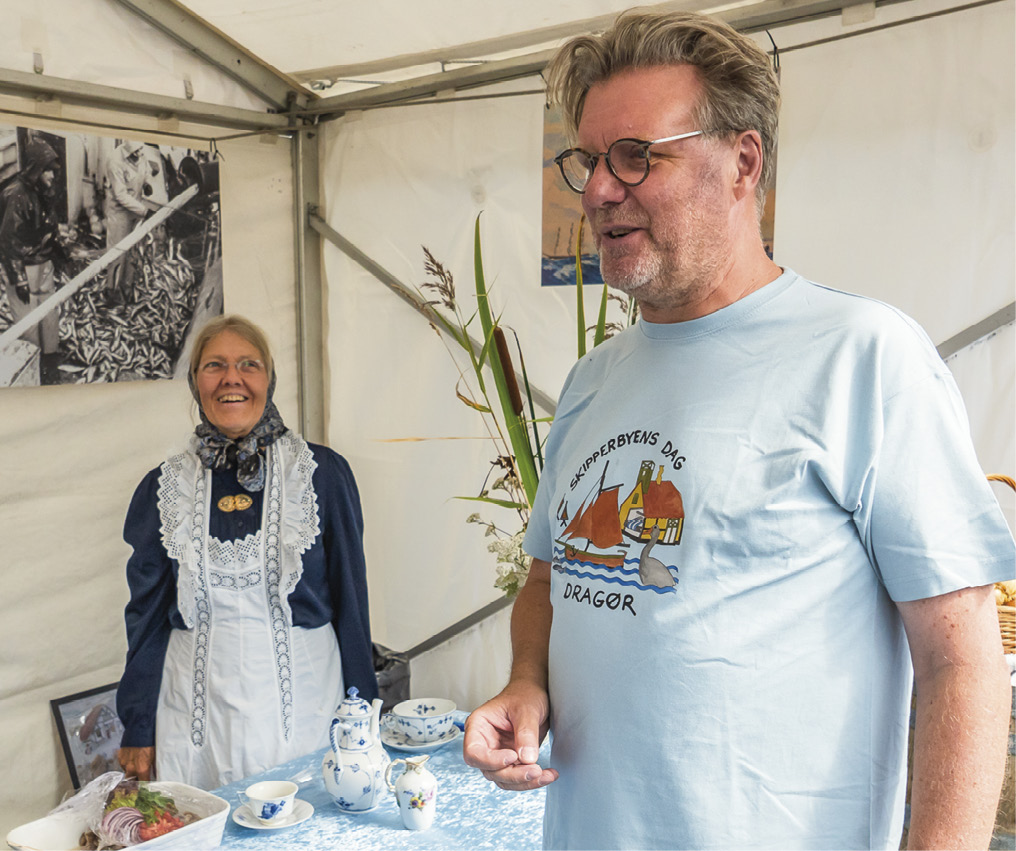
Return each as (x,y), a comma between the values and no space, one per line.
(1006,614)
(1007,623)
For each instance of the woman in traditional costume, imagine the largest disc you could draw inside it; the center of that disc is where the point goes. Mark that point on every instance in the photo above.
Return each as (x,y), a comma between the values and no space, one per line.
(248,611)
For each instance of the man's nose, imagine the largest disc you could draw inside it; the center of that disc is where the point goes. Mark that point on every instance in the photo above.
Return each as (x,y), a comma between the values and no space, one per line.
(603,188)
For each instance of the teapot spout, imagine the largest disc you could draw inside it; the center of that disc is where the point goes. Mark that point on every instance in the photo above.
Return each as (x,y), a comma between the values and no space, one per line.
(375,718)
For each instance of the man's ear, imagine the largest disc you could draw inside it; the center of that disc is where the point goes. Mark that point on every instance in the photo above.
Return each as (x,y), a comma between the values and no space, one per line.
(748,149)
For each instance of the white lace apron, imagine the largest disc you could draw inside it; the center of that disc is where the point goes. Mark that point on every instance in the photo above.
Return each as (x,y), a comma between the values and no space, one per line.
(242,689)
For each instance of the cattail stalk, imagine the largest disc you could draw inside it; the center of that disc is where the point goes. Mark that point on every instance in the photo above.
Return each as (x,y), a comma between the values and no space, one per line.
(509,372)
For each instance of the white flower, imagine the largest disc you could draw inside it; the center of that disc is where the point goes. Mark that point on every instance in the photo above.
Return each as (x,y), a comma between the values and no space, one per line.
(512,562)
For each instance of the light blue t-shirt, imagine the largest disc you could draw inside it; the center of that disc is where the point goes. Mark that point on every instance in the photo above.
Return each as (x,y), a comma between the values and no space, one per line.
(731,506)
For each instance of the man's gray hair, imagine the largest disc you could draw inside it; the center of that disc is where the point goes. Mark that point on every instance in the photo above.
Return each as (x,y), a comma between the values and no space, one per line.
(740,88)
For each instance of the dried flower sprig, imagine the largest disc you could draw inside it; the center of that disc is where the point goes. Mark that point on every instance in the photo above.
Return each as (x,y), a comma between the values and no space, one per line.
(443,283)
(505,421)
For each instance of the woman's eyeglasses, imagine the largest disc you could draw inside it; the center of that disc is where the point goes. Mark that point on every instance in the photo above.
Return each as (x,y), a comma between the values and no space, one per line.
(247,366)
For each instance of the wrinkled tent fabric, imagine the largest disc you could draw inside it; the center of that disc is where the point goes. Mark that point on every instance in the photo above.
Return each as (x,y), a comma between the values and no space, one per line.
(913,209)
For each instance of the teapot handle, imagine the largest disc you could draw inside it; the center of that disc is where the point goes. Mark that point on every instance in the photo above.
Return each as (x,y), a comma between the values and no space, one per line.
(388,773)
(333,735)
(333,738)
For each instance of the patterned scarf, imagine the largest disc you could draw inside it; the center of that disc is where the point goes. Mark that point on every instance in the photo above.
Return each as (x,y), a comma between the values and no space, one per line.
(218,452)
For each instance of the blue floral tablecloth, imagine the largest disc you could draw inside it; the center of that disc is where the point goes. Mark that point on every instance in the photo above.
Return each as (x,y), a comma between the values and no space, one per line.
(471,812)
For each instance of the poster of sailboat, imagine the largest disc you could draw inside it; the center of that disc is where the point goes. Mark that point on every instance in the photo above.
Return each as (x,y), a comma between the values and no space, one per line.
(562,212)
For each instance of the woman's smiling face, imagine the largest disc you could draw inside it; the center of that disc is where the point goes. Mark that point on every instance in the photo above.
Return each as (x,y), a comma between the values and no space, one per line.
(232,384)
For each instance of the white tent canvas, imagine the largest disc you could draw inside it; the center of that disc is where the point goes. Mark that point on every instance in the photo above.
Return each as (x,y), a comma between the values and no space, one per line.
(895,180)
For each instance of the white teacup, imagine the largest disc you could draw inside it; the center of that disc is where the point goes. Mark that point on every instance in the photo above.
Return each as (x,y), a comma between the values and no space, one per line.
(422,719)
(270,801)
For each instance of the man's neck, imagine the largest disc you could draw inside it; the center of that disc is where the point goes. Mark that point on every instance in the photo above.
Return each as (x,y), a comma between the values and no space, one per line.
(733,282)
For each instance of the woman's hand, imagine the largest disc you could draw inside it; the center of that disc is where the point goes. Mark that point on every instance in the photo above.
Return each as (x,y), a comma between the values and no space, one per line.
(137,762)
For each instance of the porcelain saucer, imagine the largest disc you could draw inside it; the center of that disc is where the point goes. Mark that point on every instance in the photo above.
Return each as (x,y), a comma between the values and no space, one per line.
(302,810)
(401,742)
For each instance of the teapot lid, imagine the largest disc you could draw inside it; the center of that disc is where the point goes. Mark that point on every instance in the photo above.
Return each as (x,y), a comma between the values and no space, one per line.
(353,706)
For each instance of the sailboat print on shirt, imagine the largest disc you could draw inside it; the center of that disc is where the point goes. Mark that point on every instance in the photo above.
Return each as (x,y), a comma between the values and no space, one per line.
(598,523)
(595,536)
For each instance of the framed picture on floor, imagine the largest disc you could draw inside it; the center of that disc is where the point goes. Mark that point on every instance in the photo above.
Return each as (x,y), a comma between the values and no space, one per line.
(90,732)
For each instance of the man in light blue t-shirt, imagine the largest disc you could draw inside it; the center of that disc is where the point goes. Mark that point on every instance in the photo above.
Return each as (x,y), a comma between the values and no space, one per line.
(761,519)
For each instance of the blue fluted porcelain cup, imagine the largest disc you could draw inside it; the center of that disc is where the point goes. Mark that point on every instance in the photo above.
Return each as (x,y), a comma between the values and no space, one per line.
(422,719)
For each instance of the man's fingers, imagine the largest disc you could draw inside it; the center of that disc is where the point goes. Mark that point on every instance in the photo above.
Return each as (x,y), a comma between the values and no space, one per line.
(478,755)
(527,753)
(520,778)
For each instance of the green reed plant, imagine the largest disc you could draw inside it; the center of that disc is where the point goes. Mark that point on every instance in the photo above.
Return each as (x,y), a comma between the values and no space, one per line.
(512,423)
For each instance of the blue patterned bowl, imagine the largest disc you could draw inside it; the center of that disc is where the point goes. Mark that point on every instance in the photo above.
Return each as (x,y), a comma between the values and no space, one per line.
(422,719)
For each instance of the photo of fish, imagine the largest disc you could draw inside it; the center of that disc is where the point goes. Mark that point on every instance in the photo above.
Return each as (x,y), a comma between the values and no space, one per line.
(110,251)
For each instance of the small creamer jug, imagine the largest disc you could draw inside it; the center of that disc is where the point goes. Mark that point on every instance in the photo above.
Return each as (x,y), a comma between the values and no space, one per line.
(354,769)
(415,790)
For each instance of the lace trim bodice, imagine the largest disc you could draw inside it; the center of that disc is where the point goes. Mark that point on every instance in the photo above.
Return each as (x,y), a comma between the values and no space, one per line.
(184,498)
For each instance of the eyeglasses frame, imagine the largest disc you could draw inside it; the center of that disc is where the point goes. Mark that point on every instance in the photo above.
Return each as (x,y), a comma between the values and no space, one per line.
(219,367)
(642,143)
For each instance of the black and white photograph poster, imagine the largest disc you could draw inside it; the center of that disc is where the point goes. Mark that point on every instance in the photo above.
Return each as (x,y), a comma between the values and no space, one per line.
(110,253)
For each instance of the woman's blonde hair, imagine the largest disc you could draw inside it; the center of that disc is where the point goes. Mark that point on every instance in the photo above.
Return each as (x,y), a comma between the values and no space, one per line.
(242,328)
(740,88)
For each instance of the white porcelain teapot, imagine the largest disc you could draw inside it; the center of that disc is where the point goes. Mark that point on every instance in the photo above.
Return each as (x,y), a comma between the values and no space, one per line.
(354,769)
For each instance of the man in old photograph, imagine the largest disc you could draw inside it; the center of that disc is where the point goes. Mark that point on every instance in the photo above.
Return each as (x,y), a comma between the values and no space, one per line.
(29,242)
(124,208)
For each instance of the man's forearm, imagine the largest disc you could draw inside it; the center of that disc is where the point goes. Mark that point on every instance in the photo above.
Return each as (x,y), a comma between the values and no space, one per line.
(959,756)
(530,627)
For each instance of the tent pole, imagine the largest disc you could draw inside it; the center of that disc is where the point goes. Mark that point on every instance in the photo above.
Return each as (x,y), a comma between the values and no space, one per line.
(459,627)
(309,299)
(978,331)
(545,401)
(219,51)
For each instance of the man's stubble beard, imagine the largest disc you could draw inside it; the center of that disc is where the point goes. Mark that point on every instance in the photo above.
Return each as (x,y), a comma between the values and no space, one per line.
(680,275)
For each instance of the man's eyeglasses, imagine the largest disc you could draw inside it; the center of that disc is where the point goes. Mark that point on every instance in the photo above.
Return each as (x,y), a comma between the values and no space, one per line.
(247,366)
(627,159)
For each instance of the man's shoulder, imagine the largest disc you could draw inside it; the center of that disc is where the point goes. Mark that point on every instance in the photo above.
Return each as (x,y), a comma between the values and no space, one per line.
(874,334)
(600,359)
(854,312)
(612,347)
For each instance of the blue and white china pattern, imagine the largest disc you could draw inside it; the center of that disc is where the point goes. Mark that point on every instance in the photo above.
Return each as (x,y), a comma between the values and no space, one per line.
(302,810)
(474,813)
(270,801)
(354,769)
(392,737)
(422,720)
(270,809)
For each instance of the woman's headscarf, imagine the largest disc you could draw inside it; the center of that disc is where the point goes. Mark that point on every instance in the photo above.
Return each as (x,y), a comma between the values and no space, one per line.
(218,452)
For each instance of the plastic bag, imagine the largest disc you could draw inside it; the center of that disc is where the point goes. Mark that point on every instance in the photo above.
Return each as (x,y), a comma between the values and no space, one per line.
(88,805)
